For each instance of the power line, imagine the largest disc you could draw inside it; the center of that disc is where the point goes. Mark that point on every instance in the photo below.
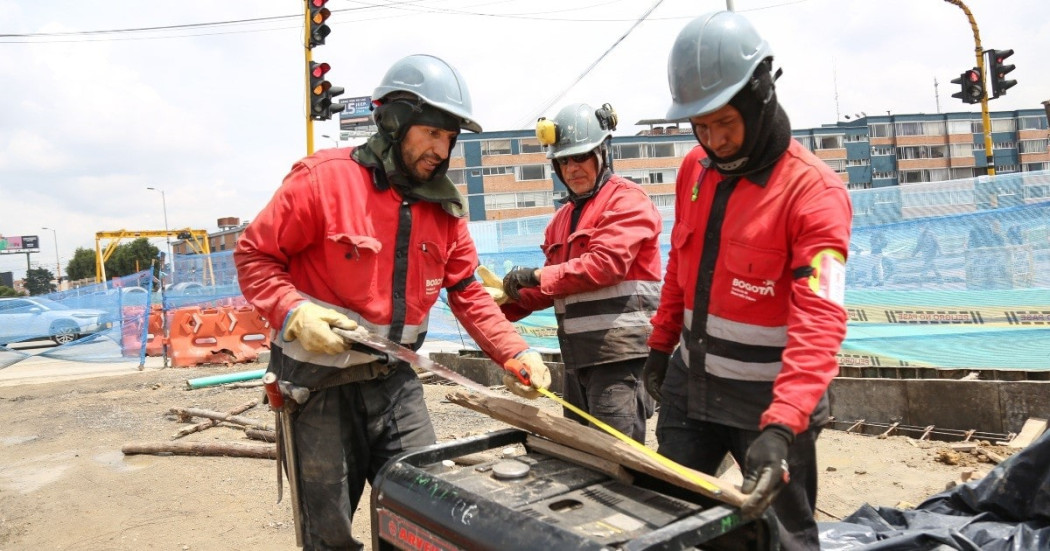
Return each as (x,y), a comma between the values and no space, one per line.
(591,67)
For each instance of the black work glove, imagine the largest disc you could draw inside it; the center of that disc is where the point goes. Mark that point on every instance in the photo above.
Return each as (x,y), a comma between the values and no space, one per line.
(654,373)
(765,469)
(517,279)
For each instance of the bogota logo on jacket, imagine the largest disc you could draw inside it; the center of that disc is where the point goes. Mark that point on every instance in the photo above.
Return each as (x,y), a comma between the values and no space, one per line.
(749,291)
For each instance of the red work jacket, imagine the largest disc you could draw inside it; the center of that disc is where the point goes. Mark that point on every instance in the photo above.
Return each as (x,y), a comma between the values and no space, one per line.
(331,235)
(759,342)
(603,278)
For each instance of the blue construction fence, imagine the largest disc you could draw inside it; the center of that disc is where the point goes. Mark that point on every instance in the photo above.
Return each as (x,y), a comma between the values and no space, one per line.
(949,275)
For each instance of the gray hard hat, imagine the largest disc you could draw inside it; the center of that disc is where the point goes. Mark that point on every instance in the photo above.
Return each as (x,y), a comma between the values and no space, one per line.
(435,82)
(580,128)
(712,58)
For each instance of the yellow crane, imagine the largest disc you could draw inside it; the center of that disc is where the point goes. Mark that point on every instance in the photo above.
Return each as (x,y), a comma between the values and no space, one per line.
(196,239)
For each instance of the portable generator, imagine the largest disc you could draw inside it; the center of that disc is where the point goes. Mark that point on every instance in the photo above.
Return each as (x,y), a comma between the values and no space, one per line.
(538,502)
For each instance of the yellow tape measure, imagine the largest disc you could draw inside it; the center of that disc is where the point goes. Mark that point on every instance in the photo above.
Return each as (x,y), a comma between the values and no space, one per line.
(689,475)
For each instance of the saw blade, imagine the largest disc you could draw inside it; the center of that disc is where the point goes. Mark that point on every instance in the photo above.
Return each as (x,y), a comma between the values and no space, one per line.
(415,359)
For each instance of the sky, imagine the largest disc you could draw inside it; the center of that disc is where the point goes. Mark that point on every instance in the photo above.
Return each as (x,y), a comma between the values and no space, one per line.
(205,100)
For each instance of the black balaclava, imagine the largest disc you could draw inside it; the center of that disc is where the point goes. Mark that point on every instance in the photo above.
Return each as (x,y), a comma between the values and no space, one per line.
(767,130)
(382,152)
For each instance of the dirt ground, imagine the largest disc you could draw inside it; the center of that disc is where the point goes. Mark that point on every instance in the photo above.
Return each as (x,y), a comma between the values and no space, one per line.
(64,483)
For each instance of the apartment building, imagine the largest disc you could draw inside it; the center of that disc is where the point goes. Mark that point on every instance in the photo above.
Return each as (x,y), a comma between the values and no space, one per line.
(505,174)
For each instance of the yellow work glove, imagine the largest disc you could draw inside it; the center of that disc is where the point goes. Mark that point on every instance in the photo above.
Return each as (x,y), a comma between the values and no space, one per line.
(493,285)
(537,371)
(312,324)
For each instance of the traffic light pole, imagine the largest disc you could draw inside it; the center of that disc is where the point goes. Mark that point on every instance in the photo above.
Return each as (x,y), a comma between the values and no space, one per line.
(306,72)
(985,119)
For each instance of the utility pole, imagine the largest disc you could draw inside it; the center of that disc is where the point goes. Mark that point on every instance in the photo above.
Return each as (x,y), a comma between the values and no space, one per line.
(985,119)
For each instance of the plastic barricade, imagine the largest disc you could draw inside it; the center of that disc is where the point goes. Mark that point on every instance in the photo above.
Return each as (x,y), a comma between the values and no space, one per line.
(217,335)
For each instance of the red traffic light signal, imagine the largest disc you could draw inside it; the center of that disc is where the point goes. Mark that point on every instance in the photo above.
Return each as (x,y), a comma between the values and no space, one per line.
(322,92)
(318,15)
(997,70)
(971,86)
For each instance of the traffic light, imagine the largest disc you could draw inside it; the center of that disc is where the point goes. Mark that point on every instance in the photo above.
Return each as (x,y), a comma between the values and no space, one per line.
(322,92)
(997,71)
(971,86)
(318,15)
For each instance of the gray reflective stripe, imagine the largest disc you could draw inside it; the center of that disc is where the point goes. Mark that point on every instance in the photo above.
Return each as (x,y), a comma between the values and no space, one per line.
(746,333)
(721,366)
(295,351)
(741,371)
(621,289)
(605,322)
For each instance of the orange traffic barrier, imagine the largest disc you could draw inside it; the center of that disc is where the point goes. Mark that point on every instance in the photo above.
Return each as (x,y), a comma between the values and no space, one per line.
(216,335)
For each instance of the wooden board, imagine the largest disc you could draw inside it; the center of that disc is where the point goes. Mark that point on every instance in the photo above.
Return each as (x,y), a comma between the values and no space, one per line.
(595,442)
(572,455)
(1033,428)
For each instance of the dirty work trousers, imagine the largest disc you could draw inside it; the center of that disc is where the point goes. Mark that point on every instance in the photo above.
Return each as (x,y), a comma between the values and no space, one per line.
(701,446)
(344,435)
(613,393)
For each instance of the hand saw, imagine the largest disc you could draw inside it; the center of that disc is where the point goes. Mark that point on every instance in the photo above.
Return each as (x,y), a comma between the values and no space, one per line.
(402,353)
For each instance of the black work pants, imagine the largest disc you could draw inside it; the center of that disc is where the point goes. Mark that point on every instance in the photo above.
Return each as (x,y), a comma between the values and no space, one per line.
(344,435)
(702,445)
(613,394)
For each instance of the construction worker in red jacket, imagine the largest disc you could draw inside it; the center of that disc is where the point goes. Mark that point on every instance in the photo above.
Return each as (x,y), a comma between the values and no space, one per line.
(602,272)
(368,237)
(753,295)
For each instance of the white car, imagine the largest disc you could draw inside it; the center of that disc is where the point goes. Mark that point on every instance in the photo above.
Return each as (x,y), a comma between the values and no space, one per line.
(32,318)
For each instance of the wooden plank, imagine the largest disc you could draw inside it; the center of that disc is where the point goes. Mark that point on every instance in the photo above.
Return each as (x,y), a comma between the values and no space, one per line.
(595,442)
(926,432)
(1033,428)
(602,465)
(855,425)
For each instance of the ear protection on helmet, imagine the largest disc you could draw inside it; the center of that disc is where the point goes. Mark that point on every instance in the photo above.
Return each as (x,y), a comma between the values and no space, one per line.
(607,118)
(546,131)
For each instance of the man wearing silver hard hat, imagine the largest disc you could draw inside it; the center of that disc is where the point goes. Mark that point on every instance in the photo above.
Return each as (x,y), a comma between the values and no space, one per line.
(751,315)
(601,273)
(366,239)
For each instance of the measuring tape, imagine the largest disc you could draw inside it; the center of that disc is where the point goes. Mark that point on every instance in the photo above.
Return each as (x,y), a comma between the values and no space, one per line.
(689,475)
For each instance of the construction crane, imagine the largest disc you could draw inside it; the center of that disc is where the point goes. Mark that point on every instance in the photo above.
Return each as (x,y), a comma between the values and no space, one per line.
(196,239)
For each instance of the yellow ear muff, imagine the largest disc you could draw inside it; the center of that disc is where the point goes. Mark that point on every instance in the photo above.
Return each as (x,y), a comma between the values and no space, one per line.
(546,131)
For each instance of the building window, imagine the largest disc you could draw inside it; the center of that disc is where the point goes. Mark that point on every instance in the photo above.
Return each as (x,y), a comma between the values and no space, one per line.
(628,151)
(681,149)
(1004,125)
(1031,123)
(883,175)
(532,172)
(457,151)
(960,127)
(662,150)
(495,147)
(829,142)
(1006,169)
(497,170)
(881,150)
(1035,167)
(1033,146)
(806,141)
(852,138)
(856,162)
(963,150)
(1006,145)
(457,175)
(880,130)
(530,146)
(838,165)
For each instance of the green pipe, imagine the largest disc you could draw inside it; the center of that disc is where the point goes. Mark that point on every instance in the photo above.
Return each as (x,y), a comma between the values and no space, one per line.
(202,382)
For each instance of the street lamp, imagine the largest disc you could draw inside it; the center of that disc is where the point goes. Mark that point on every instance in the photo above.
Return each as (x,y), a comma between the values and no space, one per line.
(167,237)
(58,263)
(335,141)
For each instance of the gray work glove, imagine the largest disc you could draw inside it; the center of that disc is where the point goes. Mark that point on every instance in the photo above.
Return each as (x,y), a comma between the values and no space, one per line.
(765,469)
(654,373)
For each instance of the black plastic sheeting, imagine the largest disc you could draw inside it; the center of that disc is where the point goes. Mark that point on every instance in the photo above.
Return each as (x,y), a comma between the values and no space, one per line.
(1007,510)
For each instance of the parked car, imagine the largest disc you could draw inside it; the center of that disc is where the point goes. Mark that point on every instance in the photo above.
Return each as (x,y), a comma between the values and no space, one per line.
(31,318)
